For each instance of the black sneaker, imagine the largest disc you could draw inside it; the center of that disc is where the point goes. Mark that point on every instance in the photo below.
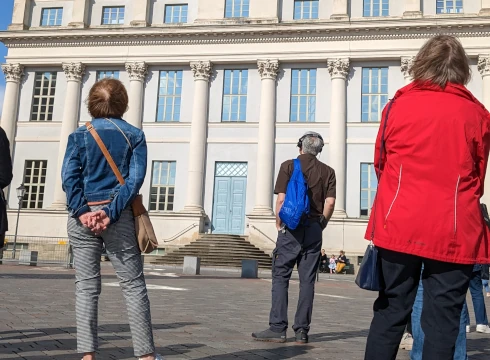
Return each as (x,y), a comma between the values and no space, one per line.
(270,336)
(301,337)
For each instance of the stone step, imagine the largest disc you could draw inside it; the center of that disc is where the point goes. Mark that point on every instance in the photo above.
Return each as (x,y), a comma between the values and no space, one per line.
(204,262)
(213,247)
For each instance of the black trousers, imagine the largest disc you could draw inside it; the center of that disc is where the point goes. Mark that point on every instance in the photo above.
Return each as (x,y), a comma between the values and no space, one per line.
(302,247)
(445,287)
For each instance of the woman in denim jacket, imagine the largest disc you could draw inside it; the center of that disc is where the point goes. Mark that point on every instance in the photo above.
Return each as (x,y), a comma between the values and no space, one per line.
(100,213)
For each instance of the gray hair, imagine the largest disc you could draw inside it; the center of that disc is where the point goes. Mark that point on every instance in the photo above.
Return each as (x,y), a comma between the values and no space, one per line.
(312,144)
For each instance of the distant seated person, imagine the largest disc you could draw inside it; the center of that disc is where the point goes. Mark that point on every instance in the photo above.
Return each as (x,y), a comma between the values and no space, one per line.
(341,262)
(323,261)
(332,264)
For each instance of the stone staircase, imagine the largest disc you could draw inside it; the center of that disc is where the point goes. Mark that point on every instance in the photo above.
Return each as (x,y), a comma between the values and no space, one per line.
(217,250)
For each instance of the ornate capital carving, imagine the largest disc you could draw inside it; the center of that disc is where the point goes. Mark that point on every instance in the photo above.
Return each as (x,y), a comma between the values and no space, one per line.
(268,69)
(339,68)
(73,71)
(484,65)
(137,70)
(13,72)
(201,69)
(406,65)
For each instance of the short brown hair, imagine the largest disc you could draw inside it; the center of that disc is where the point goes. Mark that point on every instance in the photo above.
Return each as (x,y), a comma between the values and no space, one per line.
(442,59)
(107,98)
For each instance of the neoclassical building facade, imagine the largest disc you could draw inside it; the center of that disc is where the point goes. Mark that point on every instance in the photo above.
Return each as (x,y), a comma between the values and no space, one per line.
(223,90)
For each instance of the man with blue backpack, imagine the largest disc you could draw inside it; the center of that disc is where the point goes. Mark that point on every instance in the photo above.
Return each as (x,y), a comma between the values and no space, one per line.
(305,189)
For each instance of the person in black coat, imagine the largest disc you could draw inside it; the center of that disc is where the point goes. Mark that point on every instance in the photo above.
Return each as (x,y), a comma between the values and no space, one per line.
(5,179)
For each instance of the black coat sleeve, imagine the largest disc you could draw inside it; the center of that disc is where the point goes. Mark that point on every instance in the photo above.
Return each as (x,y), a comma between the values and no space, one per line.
(5,161)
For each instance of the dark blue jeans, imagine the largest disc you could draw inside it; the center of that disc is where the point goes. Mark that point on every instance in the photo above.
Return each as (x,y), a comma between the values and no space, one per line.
(418,333)
(476,291)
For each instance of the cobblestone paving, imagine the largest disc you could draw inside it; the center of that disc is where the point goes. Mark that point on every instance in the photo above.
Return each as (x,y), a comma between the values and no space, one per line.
(195,317)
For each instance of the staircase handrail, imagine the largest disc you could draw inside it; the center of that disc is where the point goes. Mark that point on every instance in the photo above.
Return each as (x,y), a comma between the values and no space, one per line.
(176,236)
(260,231)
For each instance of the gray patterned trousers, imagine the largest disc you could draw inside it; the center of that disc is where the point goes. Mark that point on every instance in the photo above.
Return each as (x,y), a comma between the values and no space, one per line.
(122,249)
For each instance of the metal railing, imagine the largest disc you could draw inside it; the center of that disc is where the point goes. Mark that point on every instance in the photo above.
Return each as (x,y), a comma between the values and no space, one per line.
(264,234)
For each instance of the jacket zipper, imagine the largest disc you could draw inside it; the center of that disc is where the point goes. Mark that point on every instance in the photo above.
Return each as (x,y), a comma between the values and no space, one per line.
(396,194)
(456,204)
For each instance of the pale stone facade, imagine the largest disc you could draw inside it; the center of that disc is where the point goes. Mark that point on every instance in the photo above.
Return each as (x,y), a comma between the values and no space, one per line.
(270,43)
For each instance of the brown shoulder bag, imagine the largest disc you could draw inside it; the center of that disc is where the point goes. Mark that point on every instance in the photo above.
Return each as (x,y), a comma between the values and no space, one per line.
(145,234)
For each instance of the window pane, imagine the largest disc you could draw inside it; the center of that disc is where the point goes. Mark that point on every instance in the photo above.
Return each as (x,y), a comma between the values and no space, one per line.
(34,184)
(169,96)
(237,8)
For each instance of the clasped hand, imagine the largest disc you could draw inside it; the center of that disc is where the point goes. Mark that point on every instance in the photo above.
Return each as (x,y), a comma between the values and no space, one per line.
(96,221)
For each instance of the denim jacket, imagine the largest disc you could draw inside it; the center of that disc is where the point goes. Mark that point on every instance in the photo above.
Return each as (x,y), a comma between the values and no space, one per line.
(87,176)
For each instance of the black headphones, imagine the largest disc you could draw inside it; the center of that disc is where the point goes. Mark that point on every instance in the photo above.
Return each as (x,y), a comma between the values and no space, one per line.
(318,136)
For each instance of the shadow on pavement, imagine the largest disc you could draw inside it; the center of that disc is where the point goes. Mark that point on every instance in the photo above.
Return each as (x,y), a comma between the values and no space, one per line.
(333,336)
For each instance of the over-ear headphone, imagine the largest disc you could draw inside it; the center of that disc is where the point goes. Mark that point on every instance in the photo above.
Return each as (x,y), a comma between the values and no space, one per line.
(315,135)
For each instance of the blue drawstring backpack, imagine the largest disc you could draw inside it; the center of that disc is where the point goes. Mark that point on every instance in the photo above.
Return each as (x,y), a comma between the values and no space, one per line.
(296,204)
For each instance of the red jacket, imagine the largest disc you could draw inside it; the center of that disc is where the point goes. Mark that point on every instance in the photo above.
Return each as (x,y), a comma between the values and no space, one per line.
(431,175)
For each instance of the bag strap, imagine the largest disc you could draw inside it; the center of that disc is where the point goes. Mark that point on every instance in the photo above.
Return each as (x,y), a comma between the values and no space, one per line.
(106,153)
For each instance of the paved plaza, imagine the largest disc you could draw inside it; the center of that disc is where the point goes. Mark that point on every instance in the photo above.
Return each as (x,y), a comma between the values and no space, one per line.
(210,316)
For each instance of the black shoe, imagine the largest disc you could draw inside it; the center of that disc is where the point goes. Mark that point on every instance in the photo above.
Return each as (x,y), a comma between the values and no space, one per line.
(301,337)
(270,336)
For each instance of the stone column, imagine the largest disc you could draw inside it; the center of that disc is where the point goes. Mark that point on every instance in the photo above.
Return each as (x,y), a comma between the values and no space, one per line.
(268,71)
(140,13)
(79,18)
(137,72)
(406,65)
(412,8)
(13,75)
(20,15)
(197,147)
(339,70)
(340,10)
(484,69)
(74,73)
(485,8)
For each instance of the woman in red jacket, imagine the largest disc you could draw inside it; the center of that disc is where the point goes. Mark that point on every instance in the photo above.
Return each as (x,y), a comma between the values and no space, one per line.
(431,156)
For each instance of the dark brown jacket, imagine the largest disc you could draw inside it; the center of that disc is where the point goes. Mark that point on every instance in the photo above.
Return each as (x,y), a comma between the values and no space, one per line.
(5,178)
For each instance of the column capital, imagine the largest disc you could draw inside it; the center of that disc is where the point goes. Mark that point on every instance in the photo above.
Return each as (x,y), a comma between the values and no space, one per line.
(268,69)
(73,71)
(13,72)
(339,68)
(484,65)
(137,70)
(406,65)
(201,69)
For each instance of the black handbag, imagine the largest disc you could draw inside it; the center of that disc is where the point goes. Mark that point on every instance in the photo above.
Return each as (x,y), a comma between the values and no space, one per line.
(484,212)
(370,276)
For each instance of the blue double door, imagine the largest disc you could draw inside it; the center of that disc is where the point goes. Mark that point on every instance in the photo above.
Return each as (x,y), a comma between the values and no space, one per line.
(229,205)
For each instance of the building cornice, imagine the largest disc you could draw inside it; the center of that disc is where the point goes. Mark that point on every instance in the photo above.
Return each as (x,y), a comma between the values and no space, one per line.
(195,34)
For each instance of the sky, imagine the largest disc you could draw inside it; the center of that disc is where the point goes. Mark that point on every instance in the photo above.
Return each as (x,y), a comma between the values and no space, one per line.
(5,19)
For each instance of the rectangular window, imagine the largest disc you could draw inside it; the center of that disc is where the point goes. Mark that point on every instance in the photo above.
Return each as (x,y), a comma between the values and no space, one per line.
(374,93)
(235,95)
(51,16)
(113,15)
(449,6)
(34,182)
(169,96)
(162,186)
(175,14)
(374,8)
(303,95)
(236,8)
(369,184)
(43,100)
(104,74)
(305,9)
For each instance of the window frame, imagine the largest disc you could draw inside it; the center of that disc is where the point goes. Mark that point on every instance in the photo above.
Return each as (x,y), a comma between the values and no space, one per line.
(29,183)
(445,7)
(243,13)
(241,97)
(310,97)
(175,96)
(370,200)
(381,96)
(372,8)
(50,97)
(115,74)
(155,206)
(312,15)
(173,6)
(118,12)
(49,9)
